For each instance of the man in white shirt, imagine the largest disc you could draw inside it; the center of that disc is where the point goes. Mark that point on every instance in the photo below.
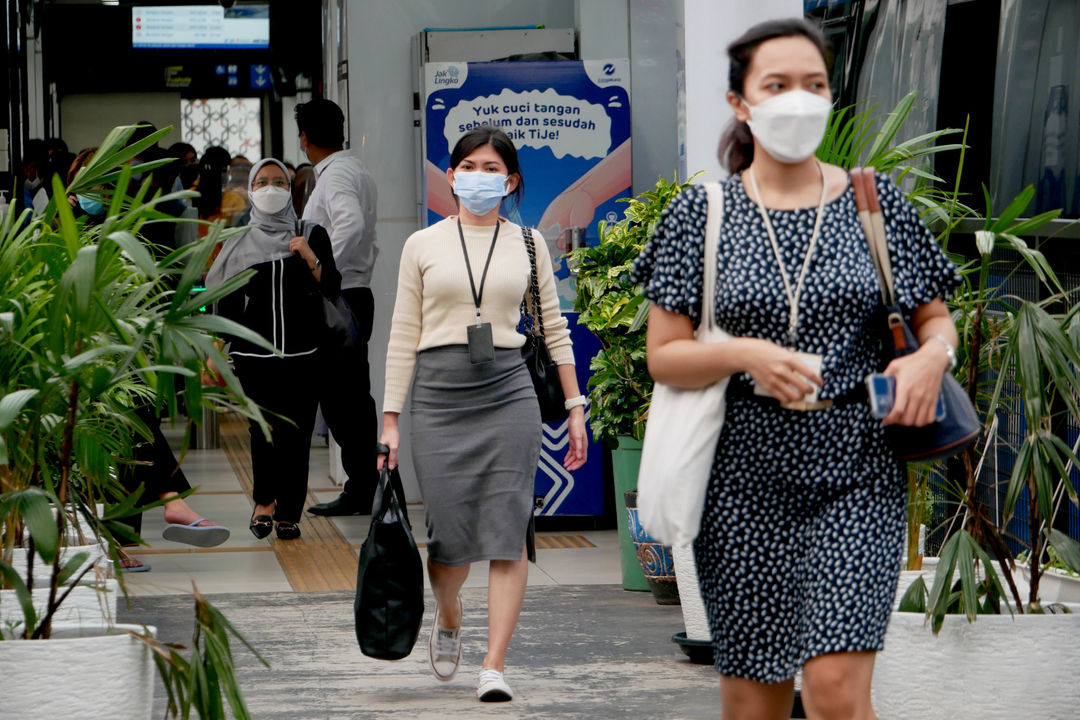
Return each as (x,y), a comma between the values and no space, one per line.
(343,202)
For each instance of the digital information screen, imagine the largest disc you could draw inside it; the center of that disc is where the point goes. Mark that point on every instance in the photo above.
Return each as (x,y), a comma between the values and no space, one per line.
(200,27)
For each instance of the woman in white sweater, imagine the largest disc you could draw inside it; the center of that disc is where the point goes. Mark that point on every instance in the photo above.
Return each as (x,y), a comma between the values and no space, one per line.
(476,428)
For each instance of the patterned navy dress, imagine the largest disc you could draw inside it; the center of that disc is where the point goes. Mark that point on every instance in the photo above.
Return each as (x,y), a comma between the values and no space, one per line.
(801,538)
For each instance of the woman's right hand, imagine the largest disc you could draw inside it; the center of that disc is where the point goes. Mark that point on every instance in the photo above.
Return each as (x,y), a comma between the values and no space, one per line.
(778,371)
(391,438)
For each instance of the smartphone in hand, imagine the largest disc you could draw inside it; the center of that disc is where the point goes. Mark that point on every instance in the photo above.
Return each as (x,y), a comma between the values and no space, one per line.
(881,391)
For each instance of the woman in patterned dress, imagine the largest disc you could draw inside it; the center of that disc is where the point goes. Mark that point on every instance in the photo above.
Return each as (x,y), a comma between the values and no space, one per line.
(801,538)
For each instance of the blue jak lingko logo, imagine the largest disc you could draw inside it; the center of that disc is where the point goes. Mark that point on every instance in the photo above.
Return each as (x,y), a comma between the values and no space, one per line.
(609,69)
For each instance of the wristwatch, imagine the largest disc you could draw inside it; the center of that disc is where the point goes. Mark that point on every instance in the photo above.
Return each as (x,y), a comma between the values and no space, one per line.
(574,402)
(949,350)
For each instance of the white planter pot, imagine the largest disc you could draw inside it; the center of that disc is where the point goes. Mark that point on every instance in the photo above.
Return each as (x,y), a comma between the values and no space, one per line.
(929,567)
(998,668)
(86,673)
(43,572)
(86,605)
(693,608)
(1053,586)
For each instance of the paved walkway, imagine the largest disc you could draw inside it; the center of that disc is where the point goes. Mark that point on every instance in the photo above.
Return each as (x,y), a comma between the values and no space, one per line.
(580,651)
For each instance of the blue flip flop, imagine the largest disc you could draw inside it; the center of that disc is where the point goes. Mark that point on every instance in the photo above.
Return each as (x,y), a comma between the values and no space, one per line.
(141,567)
(193,534)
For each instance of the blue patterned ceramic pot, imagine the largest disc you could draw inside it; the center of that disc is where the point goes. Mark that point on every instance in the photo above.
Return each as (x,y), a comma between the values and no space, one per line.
(656,559)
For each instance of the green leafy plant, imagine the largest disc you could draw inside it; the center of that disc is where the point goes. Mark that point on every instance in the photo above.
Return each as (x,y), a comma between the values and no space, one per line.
(1007,342)
(92,327)
(199,683)
(614,310)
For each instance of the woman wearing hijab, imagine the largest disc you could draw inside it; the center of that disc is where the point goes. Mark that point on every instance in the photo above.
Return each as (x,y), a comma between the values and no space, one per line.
(282,303)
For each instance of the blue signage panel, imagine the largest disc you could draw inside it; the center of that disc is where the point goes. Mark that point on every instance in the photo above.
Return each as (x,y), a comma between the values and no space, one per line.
(260,77)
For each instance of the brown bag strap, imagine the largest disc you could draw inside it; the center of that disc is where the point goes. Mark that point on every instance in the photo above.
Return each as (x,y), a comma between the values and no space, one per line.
(866,200)
(873,222)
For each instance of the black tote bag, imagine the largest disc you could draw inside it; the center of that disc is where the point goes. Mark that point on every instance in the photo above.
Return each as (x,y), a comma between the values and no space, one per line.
(389,605)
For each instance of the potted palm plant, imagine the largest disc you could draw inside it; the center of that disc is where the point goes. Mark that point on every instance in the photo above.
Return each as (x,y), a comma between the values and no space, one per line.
(92,324)
(1019,361)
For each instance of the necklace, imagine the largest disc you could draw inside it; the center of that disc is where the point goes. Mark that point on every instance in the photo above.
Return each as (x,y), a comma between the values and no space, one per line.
(792,294)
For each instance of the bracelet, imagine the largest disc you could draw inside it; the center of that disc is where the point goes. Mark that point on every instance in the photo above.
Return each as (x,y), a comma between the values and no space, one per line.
(574,402)
(949,350)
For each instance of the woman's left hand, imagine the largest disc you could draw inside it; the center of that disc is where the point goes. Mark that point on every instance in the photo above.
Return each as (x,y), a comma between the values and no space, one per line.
(578,452)
(299,246)
(918,382)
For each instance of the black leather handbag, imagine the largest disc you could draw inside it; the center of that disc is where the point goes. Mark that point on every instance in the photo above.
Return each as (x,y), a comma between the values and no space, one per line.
(338,328)
(960,426)
(544,372)
(389,605)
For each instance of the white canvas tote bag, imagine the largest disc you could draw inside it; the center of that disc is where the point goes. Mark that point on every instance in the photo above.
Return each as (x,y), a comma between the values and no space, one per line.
(684,425)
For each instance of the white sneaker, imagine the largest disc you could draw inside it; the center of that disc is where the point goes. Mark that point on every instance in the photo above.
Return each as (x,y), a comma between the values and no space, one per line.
(444,648)
(492,687)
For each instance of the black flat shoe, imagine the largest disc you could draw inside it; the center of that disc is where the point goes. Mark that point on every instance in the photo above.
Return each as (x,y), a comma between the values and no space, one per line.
(343,504)
(287,530)
(261,525)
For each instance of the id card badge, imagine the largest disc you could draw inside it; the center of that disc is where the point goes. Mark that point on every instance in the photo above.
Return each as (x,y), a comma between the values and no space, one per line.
(812,361)
(481,346)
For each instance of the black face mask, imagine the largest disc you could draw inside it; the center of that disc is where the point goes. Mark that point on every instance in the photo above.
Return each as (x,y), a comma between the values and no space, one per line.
(189,175)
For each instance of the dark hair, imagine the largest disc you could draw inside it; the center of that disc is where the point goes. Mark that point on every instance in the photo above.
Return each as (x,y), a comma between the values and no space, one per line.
(323,123)
(214,162)
(736,149)
(55,144)
(143,130)
(180,149)
(501,142)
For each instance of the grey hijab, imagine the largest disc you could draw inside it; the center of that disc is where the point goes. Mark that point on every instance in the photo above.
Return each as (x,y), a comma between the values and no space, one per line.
(267,237)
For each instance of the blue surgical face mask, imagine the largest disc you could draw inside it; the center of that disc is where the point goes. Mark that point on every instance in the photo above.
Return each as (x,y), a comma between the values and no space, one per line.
(91,206)
(480,192)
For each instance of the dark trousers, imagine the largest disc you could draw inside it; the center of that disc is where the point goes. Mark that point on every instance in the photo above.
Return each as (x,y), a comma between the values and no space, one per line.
(347,406)
(155,466)
(285,389)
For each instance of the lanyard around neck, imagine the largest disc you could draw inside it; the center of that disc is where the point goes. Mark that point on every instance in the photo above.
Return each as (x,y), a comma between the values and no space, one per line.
(792,295)
(477,296)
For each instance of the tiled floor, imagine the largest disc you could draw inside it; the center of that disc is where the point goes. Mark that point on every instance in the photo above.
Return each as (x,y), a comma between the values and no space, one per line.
(244,563)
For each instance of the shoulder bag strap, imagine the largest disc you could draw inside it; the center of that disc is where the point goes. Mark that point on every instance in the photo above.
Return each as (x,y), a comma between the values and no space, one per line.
(532,296)
(866,201)
(874,225)
(714,192)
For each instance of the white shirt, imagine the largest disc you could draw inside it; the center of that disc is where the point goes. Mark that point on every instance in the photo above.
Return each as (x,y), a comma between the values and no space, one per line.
(343,202)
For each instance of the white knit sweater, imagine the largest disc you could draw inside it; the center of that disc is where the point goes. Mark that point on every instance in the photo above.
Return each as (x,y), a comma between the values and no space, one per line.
(435,305)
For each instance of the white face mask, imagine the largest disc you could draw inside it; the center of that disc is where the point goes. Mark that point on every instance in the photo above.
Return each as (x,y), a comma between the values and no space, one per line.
(790,126)
(270,200)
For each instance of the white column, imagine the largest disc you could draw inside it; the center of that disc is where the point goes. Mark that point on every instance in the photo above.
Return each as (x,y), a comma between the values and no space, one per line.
(704,29)
(603,29)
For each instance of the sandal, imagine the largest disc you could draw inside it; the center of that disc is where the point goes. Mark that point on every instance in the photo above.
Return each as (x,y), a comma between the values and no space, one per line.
(131,564)
(261,525)
(287,530)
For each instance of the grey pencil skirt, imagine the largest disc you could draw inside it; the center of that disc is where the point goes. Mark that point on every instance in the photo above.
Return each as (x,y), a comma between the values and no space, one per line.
(475,445)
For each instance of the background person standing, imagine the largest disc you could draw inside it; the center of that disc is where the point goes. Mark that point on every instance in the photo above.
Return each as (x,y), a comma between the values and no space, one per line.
(343,202)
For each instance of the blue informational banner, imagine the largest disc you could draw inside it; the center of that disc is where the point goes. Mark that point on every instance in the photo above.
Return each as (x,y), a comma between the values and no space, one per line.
(570,122)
